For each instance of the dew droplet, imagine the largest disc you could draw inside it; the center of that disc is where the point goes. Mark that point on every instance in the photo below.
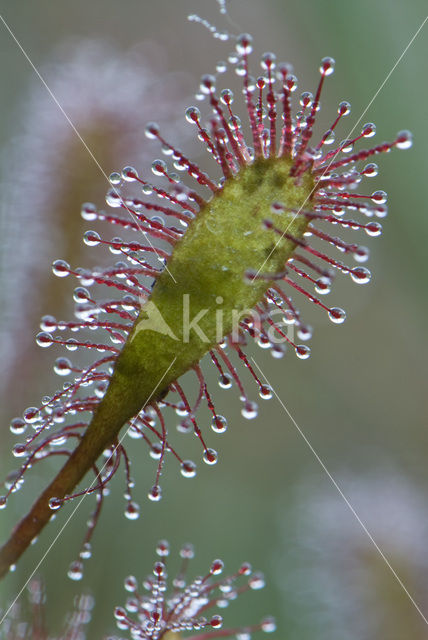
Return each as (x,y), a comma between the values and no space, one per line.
(379,197)
(304,332)
(360,275)
(155,493)
(132,511)
(62,366)
(219,424)
(19,450)
(249,410)
(60,268)
(323,285)
(244,44)
(71,344)
(369,130)
(80,295)
(55,503)
(380,210)
(131,584)
(188,469)
(151,130)
(207,84)
(88,211)
(193,114)
(120,613)
(91,238)
(268,61)
(302,351)
(44,339)
(113,198)
(217,567)
(373,229)
(115,178)
(210,456)
(31,415)
(18,426)
(216,621)
(288,318)
(327,66)
(159,168)
(278,351)
(225,381)
(257,581)
(370,170)
(86,551)
(346,146)
(75,571)
(3,502)
(404,140)
(162,548)
(187,551)
(265,392)
(344,108)
(226,96)
(129,174)
(361,254)
(268,625)
(337,315)
(245,569)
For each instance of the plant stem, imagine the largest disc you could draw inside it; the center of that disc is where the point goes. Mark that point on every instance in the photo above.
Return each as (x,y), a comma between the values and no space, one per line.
(100,434)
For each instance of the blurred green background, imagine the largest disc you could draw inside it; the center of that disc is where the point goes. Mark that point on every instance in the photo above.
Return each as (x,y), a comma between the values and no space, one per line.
(361,398)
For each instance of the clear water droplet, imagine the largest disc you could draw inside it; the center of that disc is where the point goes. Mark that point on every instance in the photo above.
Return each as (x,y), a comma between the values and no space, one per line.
(244,44)
(86,551)
(369,130)
(151,130)
(210,456)
(129,174)
(155,493)
(257,581)
(265,392)
(18,426)
(373,229)
(132,511)
(188,469)
(404,140)
(344,108)
(131,584)
(193,115)
(115,178)
(91,238)
(323,285)
(19,450)
(44,339)
(360,275)
(337,315)
(380,197)
(327,66)
(88,211)
(62,366)
(162,548)
(55,504)
(250,410)
(302,351)
(75,571)
(225,381)
(219,424)
(268,625)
